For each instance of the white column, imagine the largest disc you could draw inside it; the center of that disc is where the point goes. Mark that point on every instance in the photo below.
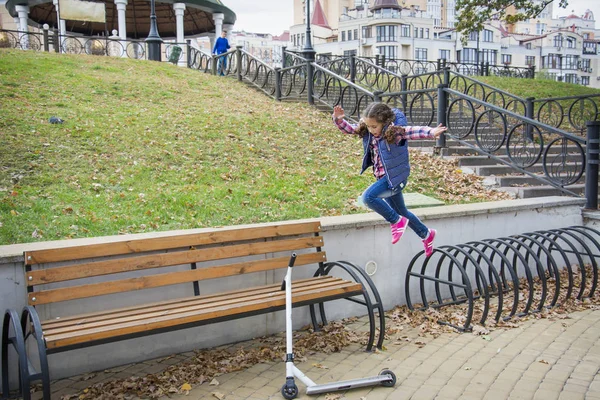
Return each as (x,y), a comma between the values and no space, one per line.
(23,12)
(228,28)
(179,9)
(121,7)
(62,26)
(218,18)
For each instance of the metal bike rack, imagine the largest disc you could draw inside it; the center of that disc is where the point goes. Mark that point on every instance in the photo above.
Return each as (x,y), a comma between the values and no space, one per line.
(502,267)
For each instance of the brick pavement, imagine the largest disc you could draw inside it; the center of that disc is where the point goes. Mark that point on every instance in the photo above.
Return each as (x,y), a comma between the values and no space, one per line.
(541,359)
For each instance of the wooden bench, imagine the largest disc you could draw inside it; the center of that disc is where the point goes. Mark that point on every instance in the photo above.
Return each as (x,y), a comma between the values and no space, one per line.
(197,267)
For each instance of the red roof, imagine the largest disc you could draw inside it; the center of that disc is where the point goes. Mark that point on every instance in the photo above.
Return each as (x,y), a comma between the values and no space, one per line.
(318,17)
(284,37)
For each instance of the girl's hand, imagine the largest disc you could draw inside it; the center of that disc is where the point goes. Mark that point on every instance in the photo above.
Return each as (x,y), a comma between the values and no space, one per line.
(438,130)
(338,112)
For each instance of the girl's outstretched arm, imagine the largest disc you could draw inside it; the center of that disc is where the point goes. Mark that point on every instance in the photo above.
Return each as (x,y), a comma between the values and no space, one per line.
(338,119)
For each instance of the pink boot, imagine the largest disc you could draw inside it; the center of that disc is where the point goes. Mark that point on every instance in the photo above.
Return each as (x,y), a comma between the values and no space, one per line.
(428,242)
(398,229)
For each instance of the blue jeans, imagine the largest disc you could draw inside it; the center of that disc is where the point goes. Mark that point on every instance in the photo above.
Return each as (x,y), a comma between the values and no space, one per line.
(389,203)
(222,65)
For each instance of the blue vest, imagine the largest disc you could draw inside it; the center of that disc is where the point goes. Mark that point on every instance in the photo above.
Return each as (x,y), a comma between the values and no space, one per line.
(394,157)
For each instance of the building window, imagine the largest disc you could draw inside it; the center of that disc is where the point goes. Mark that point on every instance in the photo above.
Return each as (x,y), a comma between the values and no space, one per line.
(488,56)
(585,80)
(467,55)
(473,35)
(356,34)
(420,54)
(405,30)
(528,46)
(366,32)
(445,55)
(488,36)
(350,35)
(571,78)
(570,61)
(558,41)
(529,60)
(426,33)
(348,53)
(343,39)
(388,51)
(506,59)
(386,33)
(571,43)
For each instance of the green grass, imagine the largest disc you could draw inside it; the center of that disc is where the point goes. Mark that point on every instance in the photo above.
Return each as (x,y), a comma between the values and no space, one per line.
(537,88)
(152,147)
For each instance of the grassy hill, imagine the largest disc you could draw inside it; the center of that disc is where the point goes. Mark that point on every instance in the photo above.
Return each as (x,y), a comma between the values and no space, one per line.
(151,147)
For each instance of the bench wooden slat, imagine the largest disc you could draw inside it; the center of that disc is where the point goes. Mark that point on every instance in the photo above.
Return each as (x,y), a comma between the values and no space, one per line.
(171,242)
(276,301)
(170,278)
(108,267)
(197,306)
(167,304)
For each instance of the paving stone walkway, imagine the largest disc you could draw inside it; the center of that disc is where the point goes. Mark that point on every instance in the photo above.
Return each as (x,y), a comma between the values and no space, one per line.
(541,359)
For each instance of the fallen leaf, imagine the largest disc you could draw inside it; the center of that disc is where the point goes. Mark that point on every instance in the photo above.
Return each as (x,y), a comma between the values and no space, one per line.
(218,395)
(214,382)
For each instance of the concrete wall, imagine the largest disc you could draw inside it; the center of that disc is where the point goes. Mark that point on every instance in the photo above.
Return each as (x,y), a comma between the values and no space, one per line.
(357,238)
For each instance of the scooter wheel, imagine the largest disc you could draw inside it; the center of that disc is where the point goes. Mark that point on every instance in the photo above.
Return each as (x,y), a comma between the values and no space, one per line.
(290,392)
(392,381)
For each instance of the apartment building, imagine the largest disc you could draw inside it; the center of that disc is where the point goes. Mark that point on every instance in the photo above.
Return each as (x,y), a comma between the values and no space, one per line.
(565,49)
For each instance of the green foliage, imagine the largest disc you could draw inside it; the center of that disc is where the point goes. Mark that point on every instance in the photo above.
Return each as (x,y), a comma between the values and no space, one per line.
(473,14)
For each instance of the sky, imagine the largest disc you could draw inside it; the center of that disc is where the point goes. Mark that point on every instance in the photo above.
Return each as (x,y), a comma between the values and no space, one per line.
(276,16)
(262,16)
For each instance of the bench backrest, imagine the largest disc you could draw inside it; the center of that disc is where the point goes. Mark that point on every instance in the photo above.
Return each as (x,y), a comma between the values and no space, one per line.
(236,250)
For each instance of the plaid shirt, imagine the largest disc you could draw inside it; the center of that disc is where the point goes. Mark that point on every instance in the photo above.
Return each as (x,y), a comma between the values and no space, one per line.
(408,133)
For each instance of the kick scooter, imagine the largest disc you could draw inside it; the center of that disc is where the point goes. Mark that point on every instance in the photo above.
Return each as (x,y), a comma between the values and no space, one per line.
(289,389)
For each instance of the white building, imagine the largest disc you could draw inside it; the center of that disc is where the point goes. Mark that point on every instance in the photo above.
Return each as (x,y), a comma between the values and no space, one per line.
(565,49)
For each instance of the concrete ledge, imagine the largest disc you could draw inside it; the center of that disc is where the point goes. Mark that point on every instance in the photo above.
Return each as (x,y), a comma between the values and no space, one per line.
(14,252)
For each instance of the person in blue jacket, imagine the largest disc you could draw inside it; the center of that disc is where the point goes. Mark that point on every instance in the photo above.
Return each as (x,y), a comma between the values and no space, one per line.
(384,135)
(221,46)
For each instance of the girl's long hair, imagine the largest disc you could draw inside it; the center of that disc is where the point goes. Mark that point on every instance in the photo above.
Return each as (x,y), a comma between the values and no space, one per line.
(383,114)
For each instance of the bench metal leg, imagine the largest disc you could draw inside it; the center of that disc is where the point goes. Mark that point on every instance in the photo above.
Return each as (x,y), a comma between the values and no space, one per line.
(369,290)
(11,319)
(31,327)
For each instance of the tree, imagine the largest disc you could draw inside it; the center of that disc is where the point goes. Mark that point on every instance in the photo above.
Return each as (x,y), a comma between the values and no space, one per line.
(472,14)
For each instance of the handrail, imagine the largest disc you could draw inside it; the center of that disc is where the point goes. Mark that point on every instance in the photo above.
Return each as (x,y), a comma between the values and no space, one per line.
(354,85)
(515,115)
(255,59)
(489,86)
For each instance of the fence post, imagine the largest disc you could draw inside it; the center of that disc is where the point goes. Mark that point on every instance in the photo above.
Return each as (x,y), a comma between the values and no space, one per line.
(238,60)
(591,173)
(377,95)
(404,88)
(277,84)
(188,52)
(532,72)
(377,59)
(310,71)
(56,41)
(46,38)
(529,114)
(283,58)
(352,68)
(214,64)
(383,61)
(441,116)
(446,76)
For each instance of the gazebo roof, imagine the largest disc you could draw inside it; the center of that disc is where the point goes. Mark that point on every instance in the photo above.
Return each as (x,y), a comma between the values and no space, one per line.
(378,4)
(198,17)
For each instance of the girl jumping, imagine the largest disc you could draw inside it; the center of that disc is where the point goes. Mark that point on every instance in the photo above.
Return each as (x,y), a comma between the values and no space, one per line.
(386,150)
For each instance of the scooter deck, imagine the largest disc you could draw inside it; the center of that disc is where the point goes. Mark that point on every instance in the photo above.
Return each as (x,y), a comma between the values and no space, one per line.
(349,384)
